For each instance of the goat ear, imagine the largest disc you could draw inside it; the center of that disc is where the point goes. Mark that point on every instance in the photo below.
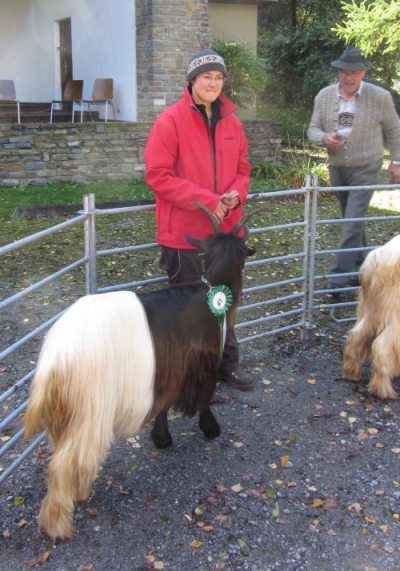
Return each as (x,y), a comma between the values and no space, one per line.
(199,244)
(250,251)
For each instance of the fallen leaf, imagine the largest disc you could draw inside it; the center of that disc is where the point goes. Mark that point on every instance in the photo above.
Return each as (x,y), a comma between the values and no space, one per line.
(21,523)
(373,430)
(284,461)
(331,532)
(370,519)
(195,544)
(379,445)
(317,503)
(18,500)
(237,488)
(238,444)
(384,528)
(276,511)
(221,518)
(356,507)
(311,381)
(270,493)
(396,450)
(291,484)
(158,565)
(208,528)
(39,560)
(221,489)
(6,533)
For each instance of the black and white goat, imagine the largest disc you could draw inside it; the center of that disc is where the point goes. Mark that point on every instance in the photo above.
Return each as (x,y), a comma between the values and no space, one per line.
(375,336)
(115,361)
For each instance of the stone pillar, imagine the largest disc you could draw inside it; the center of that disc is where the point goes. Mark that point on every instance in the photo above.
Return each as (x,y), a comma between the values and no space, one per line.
(168,32)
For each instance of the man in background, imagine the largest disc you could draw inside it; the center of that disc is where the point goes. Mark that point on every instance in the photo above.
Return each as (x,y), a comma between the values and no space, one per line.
(351,118)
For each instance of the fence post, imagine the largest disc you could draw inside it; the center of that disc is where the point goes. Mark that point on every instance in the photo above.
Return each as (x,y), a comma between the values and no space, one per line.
(306,259)
(90,244)
(313,234)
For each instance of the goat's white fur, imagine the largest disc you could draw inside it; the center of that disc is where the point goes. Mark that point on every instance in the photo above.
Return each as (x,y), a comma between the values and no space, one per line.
(376,335)
(102,351)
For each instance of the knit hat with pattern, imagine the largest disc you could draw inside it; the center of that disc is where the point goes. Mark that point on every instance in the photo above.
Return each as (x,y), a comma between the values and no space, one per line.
(205,60)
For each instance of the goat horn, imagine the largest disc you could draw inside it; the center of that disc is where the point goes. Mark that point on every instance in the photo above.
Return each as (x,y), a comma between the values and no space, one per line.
(244,219)
(211,216)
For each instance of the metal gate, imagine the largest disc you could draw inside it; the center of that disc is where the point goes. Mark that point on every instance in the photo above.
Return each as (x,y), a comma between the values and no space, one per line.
(281,292)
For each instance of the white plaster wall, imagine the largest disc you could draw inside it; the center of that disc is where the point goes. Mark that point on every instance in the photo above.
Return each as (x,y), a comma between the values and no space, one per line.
(103,45)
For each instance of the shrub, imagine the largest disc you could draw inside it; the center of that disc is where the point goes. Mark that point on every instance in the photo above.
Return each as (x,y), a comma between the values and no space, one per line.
(246,72)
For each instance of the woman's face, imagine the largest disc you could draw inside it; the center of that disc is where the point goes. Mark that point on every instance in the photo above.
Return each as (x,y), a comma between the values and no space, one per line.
(206,87)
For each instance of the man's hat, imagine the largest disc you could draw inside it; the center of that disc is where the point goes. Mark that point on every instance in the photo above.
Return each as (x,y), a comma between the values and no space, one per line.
(352,59)
(206,60)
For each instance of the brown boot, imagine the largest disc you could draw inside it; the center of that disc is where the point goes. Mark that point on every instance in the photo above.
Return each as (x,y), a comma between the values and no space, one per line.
(237,379)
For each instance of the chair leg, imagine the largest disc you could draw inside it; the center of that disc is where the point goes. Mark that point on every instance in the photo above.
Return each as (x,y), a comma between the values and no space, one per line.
(51,113)
(105,117)
(112,105)
(73,111)
(90,112)
(18,113)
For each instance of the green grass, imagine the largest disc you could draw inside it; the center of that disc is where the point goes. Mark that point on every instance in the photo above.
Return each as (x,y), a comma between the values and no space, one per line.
(68,193)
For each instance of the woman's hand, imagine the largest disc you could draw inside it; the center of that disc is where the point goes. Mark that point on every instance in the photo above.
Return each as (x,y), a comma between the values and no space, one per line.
(220,211)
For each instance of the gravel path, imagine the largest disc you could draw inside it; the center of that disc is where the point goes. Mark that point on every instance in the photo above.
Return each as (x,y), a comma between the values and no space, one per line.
(305,477)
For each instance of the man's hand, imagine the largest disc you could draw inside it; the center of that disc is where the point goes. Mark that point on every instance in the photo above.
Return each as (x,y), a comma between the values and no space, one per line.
(332,142)
(393,173)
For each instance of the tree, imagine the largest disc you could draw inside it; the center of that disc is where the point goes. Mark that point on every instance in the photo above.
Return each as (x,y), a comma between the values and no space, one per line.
(297,42)
(246,72)
(374,26)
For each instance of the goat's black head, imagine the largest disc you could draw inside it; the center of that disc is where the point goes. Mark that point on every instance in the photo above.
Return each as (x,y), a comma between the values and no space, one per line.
(225,252)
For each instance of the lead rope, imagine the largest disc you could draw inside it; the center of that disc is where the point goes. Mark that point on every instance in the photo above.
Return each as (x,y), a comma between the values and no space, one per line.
(219,300)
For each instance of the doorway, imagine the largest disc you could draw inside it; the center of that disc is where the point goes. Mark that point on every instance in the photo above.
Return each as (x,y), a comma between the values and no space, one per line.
(65,49)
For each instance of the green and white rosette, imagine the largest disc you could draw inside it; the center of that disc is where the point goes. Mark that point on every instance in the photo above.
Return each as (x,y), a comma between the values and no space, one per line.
(219,300)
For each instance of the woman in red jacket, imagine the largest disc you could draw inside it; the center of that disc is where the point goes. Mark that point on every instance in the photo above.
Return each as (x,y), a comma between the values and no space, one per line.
(197,152)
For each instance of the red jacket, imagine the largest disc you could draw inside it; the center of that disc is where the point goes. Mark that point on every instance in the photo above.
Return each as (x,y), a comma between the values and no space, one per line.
(181,167)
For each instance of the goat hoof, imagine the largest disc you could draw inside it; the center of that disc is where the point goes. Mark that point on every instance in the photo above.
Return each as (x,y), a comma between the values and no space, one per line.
(209,427)
(162,441)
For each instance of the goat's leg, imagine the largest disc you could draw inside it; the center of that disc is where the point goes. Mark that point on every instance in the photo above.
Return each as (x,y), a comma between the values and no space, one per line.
(357,350)
(208,423)
(160,434)
(385,364)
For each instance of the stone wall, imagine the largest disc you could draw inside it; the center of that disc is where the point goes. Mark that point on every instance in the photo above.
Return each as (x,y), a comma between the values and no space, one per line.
(168,32)
(85,152)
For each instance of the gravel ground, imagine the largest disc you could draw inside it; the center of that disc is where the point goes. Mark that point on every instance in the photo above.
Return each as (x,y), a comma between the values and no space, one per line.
(305,476)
